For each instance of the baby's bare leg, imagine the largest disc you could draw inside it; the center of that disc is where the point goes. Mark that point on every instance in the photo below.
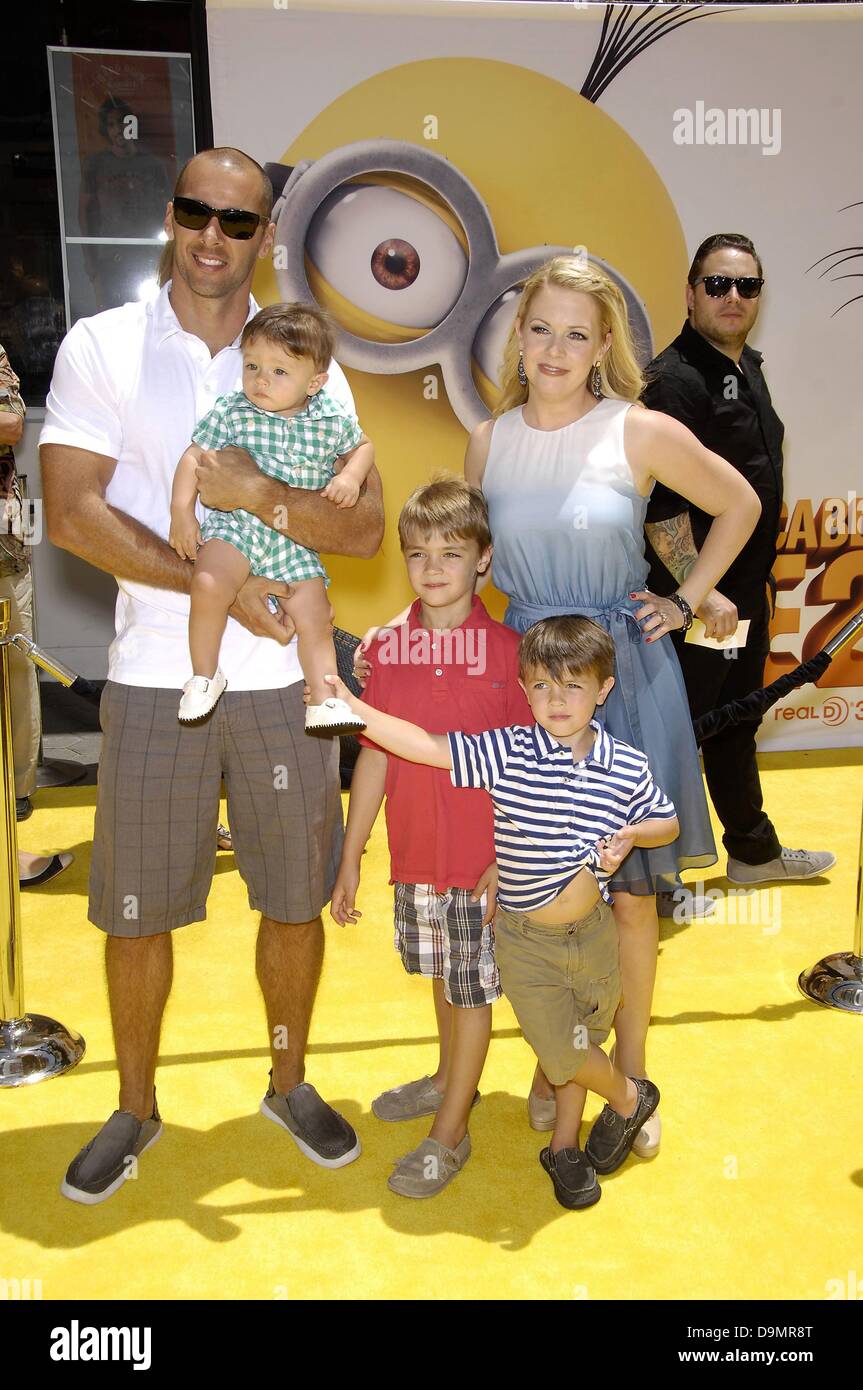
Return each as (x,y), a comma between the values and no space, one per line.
(220,573)
(309,610)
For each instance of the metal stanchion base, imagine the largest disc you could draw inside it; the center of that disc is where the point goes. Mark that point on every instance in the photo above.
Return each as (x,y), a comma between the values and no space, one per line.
(836,981)
(34,1048)
(59,772)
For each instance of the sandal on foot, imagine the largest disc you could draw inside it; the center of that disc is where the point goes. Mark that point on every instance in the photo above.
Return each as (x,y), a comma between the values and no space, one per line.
(55,866)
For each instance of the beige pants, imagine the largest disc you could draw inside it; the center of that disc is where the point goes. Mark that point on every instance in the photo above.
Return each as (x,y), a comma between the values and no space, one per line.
(24,692)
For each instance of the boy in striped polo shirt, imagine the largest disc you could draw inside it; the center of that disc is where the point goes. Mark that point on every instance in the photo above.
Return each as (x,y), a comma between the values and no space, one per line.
(570,802)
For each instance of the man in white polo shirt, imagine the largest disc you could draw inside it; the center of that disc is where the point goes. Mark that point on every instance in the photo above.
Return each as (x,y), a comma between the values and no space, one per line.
(129,386)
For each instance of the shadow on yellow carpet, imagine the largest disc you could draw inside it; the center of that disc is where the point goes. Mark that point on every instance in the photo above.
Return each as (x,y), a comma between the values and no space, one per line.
(761,1115)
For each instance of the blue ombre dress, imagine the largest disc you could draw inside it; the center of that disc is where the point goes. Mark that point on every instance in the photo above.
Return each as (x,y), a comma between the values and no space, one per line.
(568,529)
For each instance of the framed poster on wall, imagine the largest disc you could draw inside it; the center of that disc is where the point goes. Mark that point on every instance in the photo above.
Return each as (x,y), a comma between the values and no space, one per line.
(123,128)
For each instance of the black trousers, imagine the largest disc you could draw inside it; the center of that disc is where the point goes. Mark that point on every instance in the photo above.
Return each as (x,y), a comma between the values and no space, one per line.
(730,767)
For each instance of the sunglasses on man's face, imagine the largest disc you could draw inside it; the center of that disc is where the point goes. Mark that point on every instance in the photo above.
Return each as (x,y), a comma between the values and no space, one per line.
(718,286)
(234,222)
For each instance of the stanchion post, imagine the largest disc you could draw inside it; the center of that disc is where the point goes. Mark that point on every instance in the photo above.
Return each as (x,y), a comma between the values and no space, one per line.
(858,928)
(11,991)
(837,980)
(32,1046)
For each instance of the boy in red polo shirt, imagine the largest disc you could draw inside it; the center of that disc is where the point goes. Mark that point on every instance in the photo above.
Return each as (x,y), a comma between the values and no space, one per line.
(448,667)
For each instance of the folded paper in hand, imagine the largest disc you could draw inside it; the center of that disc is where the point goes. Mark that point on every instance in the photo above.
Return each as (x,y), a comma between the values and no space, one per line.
(698,635)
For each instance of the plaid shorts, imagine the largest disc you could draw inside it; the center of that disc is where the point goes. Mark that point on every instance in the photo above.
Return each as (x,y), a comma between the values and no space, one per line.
(441,935)
(154,842)
(270,554)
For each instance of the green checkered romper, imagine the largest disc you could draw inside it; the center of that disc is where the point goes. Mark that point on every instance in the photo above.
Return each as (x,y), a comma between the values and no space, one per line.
(300,450)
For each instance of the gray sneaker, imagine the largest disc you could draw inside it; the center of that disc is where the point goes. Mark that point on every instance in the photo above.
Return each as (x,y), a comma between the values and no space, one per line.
(107,1161)
(318,1130)
(792,864)
(411,1101)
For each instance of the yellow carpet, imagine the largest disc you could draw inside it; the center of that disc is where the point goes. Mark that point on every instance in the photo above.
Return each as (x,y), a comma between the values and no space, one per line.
(761,1154)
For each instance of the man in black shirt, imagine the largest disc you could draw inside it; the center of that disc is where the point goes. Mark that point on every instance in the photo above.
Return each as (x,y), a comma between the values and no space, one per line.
(711,381)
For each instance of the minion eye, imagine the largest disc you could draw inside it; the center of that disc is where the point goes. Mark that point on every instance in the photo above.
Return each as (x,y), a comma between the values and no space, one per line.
(395,264)
(390,254)
(492,334)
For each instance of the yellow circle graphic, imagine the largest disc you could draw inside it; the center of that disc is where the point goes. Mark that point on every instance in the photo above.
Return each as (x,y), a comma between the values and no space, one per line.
(552,168)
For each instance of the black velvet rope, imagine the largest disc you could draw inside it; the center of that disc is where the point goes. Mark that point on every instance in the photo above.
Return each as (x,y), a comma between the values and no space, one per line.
(754,705)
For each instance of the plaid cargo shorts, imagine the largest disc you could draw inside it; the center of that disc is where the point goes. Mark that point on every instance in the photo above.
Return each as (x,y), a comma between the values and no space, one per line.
(441,935)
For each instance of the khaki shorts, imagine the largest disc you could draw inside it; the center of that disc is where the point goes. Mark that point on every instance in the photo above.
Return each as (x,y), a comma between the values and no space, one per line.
(563,983)
(154,842)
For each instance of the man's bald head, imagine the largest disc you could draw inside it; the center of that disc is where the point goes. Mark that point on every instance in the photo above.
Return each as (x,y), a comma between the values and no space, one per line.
(230,161)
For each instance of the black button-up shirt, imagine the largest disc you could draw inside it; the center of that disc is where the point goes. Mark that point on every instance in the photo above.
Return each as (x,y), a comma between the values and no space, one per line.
(728,408)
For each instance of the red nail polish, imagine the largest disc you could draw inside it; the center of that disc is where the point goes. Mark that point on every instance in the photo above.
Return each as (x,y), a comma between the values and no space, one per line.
(633,595)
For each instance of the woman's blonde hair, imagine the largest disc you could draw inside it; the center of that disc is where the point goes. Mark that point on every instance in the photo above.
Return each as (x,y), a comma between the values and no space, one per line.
(620,375)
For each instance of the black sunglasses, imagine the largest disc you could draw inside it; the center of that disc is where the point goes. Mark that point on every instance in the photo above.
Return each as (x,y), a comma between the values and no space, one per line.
(234,222)
(717,286)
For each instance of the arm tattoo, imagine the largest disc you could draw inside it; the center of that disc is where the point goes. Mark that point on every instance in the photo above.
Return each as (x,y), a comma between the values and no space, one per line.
(674,544)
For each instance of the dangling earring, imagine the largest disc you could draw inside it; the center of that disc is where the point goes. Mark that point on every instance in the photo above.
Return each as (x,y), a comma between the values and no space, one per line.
(596,381)
(522,374)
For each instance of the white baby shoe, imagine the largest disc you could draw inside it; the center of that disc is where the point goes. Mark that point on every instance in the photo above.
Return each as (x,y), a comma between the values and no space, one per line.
(200,695)
(333,717)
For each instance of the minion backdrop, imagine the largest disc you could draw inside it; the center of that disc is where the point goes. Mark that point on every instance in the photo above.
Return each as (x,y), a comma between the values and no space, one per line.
(426,161)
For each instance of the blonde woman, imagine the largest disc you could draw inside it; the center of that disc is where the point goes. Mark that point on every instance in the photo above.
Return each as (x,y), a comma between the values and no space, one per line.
(567,465)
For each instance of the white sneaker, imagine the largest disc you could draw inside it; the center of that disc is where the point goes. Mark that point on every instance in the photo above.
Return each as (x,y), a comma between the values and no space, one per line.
(648,1138)
(541,1113)
(333,717)
(682,905)
(200,695)
(791,864)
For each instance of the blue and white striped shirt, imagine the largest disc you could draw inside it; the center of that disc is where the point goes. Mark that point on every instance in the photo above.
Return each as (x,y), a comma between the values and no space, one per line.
(549,811)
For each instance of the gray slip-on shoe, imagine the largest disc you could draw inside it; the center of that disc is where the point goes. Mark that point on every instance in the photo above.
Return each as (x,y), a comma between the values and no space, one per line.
(411,1101)
(318,1130)
(109,1159)
(428,1169)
